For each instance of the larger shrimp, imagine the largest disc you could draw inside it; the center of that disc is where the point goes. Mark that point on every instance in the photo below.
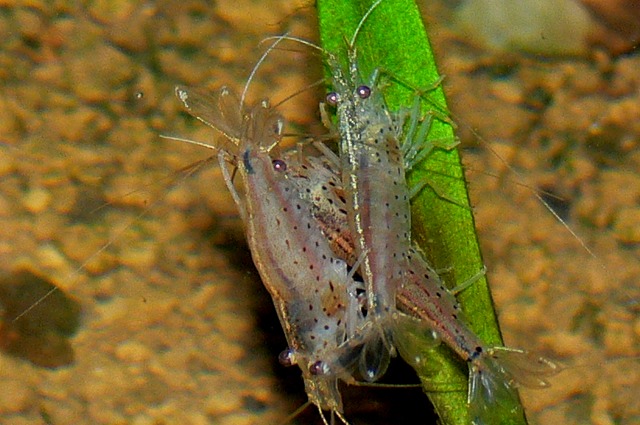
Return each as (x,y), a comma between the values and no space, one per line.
(494,372)
(314,295)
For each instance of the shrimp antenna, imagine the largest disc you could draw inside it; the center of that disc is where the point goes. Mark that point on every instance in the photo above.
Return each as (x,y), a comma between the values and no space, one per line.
(277,41)
(302,90)
(362,21)
(192,142)
(297,40)
(296,413)
(540,199)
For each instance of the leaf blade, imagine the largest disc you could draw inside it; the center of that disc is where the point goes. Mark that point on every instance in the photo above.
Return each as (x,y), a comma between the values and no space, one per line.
(394,39)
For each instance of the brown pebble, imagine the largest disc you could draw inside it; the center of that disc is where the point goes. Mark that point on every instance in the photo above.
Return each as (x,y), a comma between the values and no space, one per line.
(626,226)
(36,200)
(15,396)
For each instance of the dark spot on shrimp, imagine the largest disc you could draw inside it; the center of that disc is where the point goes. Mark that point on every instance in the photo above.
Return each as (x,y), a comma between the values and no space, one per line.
(246,161)
(475,354)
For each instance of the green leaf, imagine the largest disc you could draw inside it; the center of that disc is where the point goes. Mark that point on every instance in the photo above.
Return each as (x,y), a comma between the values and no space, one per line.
(393,39)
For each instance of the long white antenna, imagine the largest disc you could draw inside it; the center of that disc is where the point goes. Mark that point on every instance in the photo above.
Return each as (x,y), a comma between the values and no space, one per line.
(255,68)
(362,21)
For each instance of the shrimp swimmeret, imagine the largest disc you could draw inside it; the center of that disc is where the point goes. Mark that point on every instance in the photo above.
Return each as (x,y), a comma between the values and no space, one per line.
(494,372)
(315,297)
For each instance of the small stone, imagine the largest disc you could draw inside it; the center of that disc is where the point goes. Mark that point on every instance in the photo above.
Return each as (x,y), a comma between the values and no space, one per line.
(18,420)
(110,11)
(619,338)
(79,240)
(80,124)
(507,91)
(627,226)
(224,401)
(65,198)
(133,352)
(142,256)
(15,396)
(49,256)
(95,72)
(36,200)
(6,162)
(532,26)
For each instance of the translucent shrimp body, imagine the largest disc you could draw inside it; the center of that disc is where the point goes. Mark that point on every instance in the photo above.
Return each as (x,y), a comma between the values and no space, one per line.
(377,196)
(494,372)
(314,295)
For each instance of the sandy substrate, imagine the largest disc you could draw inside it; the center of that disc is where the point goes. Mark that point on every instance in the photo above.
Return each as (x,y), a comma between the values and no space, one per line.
(176,328)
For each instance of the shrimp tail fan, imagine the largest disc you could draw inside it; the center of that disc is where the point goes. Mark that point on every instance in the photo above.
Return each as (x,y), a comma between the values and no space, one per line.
(494,378)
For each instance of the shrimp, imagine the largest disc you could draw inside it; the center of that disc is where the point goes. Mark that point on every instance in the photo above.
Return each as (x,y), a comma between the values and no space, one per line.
(315,296)
(494,372)
(373,179)
(376,195)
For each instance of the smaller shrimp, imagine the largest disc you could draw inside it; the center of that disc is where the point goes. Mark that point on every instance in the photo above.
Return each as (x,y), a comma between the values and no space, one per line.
(315,296)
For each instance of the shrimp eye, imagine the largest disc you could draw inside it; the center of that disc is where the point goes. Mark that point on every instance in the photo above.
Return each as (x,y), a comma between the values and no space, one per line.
(279,165)
(287,358)
(319,368)
(363,92)
(332,98)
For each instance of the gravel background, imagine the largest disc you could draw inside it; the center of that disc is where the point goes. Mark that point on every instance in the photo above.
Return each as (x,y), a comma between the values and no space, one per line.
(176,328)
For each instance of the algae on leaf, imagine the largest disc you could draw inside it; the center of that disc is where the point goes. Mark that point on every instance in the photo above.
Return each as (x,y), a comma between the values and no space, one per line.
(393,39)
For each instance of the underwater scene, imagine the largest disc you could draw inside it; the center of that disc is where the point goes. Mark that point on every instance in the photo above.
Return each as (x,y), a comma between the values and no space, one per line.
(128,295)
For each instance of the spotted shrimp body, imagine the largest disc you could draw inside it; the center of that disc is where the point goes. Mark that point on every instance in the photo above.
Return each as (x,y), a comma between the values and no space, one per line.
(494,372)
(373,178)
(315,297)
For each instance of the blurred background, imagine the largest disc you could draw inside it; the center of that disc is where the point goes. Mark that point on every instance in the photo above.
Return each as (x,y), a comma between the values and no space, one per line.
(158,317)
